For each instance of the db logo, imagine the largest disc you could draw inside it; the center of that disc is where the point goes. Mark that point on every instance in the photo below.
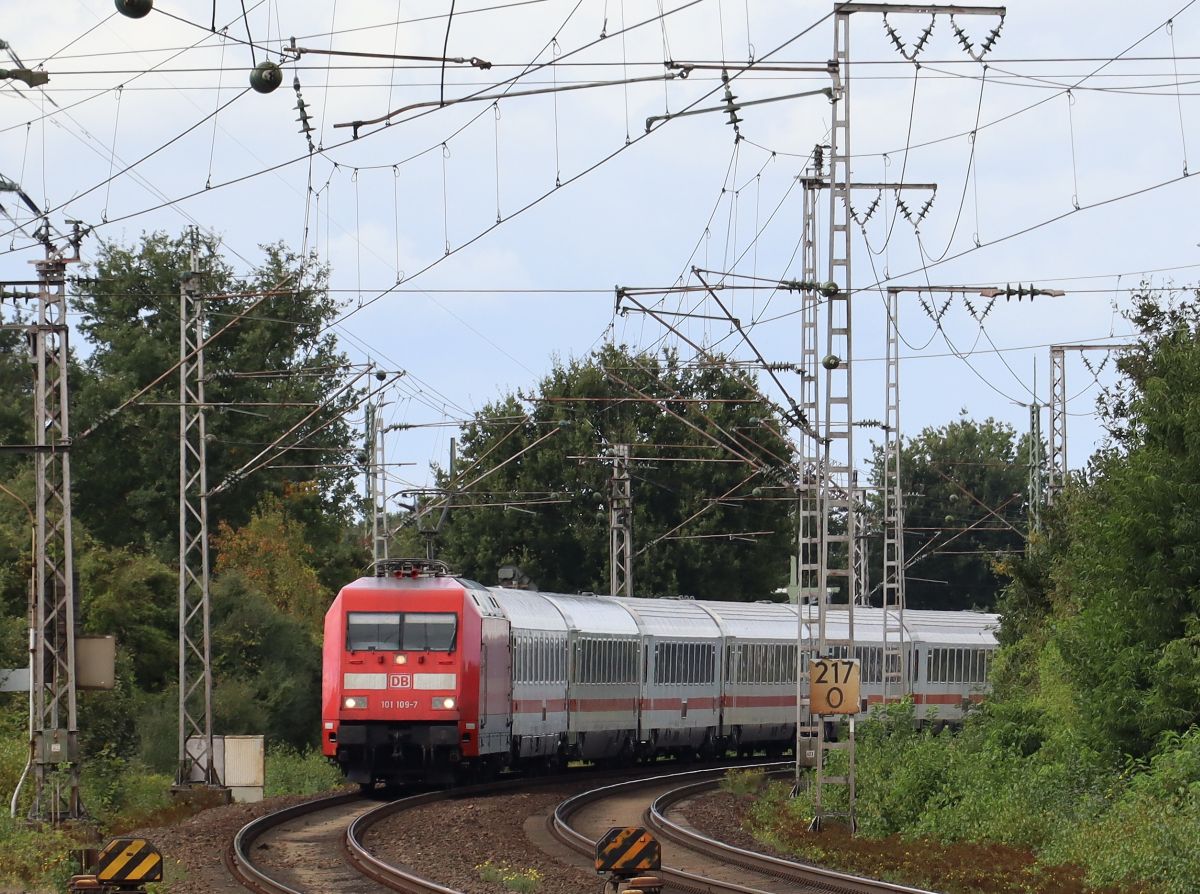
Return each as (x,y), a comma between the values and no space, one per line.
(400,681)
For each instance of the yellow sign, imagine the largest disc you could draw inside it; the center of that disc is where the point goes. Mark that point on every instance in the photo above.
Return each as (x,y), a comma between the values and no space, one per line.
(127,861)
(833,686)
(628,851)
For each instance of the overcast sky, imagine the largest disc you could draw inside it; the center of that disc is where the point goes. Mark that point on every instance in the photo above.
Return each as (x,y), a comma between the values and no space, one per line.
(124,137)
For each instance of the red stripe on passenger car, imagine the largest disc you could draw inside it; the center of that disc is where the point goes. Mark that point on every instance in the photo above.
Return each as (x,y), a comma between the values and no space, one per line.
(601,704)
(760,701)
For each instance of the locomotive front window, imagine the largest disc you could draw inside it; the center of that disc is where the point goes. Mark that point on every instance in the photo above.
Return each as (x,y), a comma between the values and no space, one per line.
(396,631)
(429,632)
(373,631)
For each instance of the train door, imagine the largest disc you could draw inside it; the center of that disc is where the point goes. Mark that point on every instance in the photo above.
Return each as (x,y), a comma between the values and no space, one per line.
(495,685)
(647,721)
(728,688)
(575,671)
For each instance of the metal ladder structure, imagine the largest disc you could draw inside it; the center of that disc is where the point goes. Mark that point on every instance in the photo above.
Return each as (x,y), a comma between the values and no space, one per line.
(836,492)
(1036,467)
(894,669)
(806,577)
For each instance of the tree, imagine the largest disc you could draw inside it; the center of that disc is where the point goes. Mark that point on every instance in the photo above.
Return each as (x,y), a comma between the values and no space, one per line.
(271,555)
(134,597)
(964,489)
(1127,566)
(263,376)
(16,384)
(267,666)
(709,521)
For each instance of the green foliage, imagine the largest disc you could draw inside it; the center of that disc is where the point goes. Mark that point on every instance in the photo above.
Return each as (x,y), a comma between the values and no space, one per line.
(293,772)
(130,315)
(118,790)
(14,752)
(104,716)
(743,782)
(776,810)
(582,408)
(985,784)
(1115,589)
(270,553)
(1151,830)
(16,384)
(34,858)
(267,664)
(955,477)
(135,597)
(118,793)
(522,881)
(158,730)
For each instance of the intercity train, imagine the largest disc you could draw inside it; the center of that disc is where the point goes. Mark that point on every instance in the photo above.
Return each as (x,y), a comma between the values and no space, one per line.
(427,675)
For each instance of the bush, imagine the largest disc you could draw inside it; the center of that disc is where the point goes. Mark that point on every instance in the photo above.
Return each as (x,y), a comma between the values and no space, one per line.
(743,782)
(33,858)
(1151,829)
(116,791)
(1133,827)
(292,772)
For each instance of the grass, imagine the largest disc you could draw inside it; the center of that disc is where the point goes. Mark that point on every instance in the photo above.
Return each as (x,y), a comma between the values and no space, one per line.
(743,782)
(120,794)
(522,881)
(292,772)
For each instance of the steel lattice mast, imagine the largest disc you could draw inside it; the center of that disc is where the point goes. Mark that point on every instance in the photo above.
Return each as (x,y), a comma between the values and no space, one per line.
(621,524)
(196,759)
(55,727)
(837,492)
(377,482)
(1057,477)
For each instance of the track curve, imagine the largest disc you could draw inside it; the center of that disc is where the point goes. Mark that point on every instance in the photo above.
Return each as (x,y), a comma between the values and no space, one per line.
(770,870)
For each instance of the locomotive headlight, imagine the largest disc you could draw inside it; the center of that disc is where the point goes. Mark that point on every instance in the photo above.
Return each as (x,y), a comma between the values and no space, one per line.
(444,704)
(355,701)
(402,659)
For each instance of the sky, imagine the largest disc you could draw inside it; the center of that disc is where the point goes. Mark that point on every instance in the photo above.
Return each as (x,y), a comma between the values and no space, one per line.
(476,243)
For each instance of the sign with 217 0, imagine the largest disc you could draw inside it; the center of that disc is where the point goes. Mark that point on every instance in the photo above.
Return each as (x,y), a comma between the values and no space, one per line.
(833,686)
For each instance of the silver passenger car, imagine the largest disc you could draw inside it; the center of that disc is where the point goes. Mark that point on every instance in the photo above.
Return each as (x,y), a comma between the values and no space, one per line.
(600,677)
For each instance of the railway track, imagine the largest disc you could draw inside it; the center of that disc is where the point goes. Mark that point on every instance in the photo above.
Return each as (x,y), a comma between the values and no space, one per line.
(319,846)
(700,865)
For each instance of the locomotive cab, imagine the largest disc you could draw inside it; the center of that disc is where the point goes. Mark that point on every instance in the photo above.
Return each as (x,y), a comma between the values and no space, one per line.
(402,694)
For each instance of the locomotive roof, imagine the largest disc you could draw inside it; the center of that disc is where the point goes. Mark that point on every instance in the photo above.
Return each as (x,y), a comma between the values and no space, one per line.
(430,582)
